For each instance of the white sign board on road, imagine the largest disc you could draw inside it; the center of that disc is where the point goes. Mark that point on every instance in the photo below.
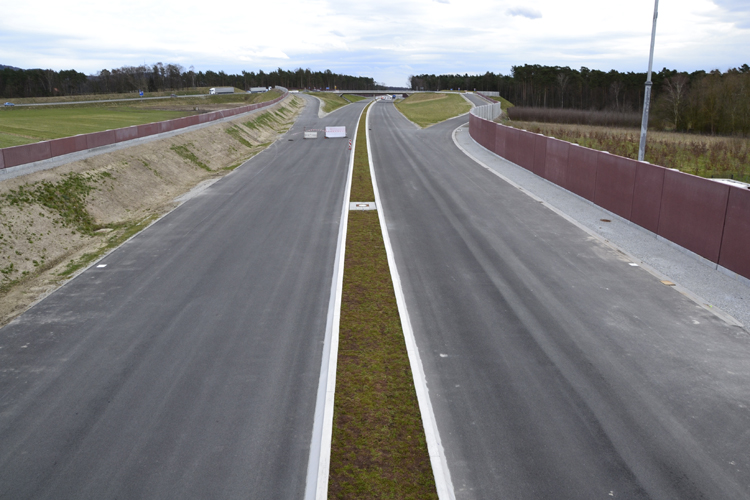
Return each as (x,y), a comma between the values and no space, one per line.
(335,132)
(311,135)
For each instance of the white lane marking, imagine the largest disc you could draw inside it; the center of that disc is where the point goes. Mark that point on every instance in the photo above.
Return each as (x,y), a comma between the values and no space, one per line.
(632,264)
(102,265)
(432,435)
(319,461)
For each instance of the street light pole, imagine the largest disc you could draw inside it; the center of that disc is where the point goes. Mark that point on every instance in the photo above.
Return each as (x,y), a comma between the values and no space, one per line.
(647,95)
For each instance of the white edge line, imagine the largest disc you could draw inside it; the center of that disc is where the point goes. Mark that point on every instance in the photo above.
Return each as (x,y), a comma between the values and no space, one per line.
(723,315)
(435,449)
(319,462)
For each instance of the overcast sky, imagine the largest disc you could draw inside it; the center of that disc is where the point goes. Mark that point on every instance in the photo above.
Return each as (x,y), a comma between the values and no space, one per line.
(385,39)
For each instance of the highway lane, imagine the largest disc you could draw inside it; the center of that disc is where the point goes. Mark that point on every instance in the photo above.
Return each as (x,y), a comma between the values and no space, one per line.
(555,369)
(188,367)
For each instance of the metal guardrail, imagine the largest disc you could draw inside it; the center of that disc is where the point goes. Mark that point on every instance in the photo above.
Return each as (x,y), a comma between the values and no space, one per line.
(488,112)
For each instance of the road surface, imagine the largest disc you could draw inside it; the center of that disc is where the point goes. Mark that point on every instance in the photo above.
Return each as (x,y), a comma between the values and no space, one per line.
(188,367)
(555,368)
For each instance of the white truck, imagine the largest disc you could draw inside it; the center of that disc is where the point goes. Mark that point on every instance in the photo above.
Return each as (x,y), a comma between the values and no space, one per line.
(221,90)
(255,90)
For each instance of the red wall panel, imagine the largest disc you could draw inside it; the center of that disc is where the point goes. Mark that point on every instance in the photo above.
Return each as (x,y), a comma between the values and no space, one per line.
(473,128)
(556,162)
(615,183)
(2,159)
(735,243)
(67,145)
(203,118)
(501,132)
(540,155)
(692,213)
(18,155)
(512,138)
(526,149)
(488,137)
(192,120)
(99,139)
(580,176)
(126,134)
(649,180)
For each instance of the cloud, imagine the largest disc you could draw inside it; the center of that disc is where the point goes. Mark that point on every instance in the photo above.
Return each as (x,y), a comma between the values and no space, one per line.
(441,1)
(337,33)
(527,12)
(736,12)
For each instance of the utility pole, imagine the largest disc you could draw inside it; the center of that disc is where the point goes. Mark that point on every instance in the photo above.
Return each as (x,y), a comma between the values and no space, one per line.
(647,95)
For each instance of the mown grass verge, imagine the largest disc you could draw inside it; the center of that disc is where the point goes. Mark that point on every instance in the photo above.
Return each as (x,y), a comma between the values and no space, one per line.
(428,109)
(331,102)
(378,448)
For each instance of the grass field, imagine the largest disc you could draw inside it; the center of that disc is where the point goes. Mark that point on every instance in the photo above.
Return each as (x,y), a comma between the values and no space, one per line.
(33,124)
(331,102)
(354,98)
(27,125)
(100,97)
(706,156)
(378,448)
(428,109)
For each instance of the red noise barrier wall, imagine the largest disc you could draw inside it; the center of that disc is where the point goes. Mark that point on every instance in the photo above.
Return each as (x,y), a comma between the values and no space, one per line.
(706,217)
(29,153)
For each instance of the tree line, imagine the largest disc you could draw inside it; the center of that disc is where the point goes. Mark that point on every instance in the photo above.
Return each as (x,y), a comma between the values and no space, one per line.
(712,102)
(16,83)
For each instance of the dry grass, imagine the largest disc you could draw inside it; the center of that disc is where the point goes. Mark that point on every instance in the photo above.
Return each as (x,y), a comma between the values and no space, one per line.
(575,116)
(706,156)
(378,448)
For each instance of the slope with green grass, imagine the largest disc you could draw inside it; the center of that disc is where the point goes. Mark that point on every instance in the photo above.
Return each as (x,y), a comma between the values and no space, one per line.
(331,102)
(428,109)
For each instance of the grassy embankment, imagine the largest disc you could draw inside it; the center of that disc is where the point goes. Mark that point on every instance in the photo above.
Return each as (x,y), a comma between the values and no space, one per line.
(27,125)
(428,109)
(378,448)
(331,102)
(54,222)
(505,103)
(706,156)
(354,98)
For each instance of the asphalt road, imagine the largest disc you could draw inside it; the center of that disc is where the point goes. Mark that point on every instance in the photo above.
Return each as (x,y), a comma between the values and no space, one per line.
(556,370)
(188,367)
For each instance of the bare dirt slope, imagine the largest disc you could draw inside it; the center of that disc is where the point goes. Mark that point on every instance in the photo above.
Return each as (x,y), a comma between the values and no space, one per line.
(54,223)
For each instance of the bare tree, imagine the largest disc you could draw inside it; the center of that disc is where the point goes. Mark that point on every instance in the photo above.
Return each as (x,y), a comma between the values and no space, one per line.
(562,81)
(615,88)
(675,92)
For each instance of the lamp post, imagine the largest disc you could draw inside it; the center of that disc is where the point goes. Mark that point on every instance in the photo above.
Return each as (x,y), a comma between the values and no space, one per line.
(647,95)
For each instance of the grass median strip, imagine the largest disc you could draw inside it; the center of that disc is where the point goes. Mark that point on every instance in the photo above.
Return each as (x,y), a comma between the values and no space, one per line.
(378,448)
